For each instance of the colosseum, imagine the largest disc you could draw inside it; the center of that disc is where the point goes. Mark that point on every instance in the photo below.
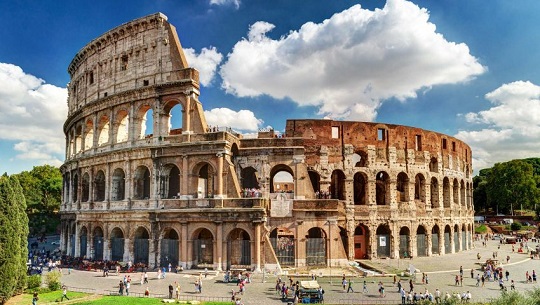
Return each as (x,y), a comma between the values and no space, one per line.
(322,193)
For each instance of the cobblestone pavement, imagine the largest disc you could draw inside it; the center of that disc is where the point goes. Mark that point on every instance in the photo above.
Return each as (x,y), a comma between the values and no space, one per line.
(441,272)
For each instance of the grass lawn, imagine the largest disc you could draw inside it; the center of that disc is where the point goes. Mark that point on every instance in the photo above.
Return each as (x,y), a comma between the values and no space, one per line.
(47,297)
(53,297)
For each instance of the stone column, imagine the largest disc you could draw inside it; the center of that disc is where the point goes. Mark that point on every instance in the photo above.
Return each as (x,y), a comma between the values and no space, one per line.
(429,243)
(219,176)
(394,242)
(441,241)
(106,250)
(77,241)
(185,180)
(128,255)
(300,247)
(257,246)
(184,245)
(186,120)
(219,244)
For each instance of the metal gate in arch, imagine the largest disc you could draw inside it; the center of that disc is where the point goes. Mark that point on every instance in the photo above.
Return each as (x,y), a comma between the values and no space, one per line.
(117,249)
(421,245)
(284,249)
(169,252)
(316,251)
(98,248)
(203,250)
(140,249)
(238,252)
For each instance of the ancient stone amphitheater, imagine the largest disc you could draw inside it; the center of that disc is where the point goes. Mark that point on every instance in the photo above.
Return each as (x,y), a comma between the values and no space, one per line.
(323,193)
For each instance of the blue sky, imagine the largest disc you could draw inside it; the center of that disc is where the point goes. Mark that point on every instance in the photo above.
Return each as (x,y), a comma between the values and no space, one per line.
(467,68)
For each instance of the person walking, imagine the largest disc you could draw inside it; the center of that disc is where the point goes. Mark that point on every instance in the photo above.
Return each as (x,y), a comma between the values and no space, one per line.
(128,285)
(403,296)
(64,293)
(171,289)
(121,288)
(350,287)
(364,287)
(35,298)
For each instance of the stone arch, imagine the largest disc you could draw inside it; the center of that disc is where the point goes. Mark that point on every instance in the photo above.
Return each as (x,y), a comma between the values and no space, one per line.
(434,190)
(143,119)
(172,183)
(446,192)
(283,242)
(315,180)
(75,186)
(316,247)
(456,238)
(402,187)
(344,236)
(169,249)
(383,235)
(361,241)
(121,126)
(238,248)
(433,165)
(141,183)
(85,186)
(99,186)
(89,135)
(97,246)
(421,241)
(141,245)
(360,158)
(118,185)
(174,112)
(103,127)
(435,232)
(203,247)
(78,140)
(420,188)
(337,185)
(447,241)
(360,188)
(405,242)
(281,179)
(249,178)
(455,193)
(205,175)
(382,187)
(117,244)
(83,241)
(462,194)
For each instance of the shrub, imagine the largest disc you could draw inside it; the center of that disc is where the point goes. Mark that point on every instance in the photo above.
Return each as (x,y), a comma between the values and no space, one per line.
(34,281)
(515,226)
(481,229)
(52,279)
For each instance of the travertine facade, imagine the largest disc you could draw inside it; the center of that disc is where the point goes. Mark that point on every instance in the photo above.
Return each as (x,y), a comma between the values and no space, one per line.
(206,197)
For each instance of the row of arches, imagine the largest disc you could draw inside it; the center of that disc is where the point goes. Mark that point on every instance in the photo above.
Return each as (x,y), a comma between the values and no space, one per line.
(119,247)
(119,126)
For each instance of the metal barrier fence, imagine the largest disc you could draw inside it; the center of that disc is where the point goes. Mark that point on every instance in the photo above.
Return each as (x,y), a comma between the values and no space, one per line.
(369,302)
(164,296)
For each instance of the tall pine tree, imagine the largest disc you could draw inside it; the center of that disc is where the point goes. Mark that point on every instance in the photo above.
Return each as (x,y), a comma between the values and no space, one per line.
(23,230)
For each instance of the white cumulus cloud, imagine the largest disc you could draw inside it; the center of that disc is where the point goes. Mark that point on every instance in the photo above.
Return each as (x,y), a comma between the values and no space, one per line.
(350,63)
(509,129)
(243,120)
(205,62)
(32,114)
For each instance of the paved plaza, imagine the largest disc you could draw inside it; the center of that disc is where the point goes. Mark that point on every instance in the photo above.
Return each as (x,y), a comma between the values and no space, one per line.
(441,272)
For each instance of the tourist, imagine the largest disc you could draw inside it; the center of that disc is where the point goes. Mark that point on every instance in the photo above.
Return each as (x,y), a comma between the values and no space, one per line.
(350,287)
(512,285)
(147,292)
(127,287)
(171,289)
(64,293)
(121,288)
(35,298)
(364,287)
(403,296)
(177,290)
(437,296)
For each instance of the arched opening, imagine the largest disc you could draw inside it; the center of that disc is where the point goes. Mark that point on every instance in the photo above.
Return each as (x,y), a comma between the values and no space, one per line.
(433,165)
(382,184)
(72,240)
(83,242)
(85,188)
(421,241)
(462,194)
(169,248)
(420,188)
(435,231)
(455,194)
(147,123)
(361,239)
(103,131)
(75,185)
(315,180)
(281,180)
(203,248)
(141,246)
(205,187)
(122,126)
(141,183)
(404,242)
(446,192)
(359,159)
(463,238)
(283,241)
(173,181)
(238,249)
(98,244)
(78,140)
(118,185)
(383,241)
(360,187)
(117,245)
(174,123)
(316,247)
(344,240)
(249,178)
(337,185)
(99,183)
(447,242)
(402,187)
(456,238)
(89,136)
(434,190)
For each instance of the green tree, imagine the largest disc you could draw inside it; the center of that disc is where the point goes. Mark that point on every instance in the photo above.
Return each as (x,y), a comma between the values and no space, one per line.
(511,184)
(480,193)
(12,232)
